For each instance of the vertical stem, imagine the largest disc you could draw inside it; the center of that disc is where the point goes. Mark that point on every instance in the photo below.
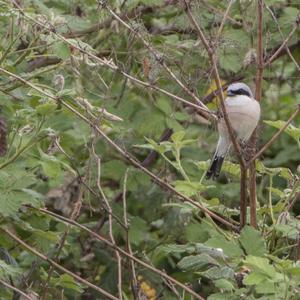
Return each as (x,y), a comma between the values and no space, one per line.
(258,83)
(243,197)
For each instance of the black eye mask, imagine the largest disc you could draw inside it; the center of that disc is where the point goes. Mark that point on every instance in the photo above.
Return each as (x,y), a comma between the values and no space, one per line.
(240,92)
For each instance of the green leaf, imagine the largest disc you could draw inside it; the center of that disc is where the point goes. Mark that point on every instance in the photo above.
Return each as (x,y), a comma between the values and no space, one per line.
(224,284)
(66,281)
(197,262)
(230,248)
(219,272)
(291,130)
(164,105)
(8,271)
(262,265)
(62,50)
(46,108)
(188,188)
(252,241)
(173,248)
(255,278)
(15,192)
(178,136)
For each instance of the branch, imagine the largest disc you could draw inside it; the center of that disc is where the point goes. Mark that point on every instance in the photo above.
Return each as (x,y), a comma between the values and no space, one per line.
(206,113)
(275,136)
(258,93)
(133,14)
(160,60)
(125,154)
(58,266)
(212,58)
(9,286)
(120,250)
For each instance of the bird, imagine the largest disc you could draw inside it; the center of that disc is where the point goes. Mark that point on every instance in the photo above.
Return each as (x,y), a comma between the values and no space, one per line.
(243,113)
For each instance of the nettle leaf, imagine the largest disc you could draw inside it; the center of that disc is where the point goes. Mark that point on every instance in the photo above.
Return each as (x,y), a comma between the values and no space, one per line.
(224,284)
(219,272)
(252,241)
(174,249)
(197,262)
(45,239)
(8,271)
(61,49)
(230,248)
(213,252)
(46,107)
(14,191)
(262,266)
(188,188)
(291,130)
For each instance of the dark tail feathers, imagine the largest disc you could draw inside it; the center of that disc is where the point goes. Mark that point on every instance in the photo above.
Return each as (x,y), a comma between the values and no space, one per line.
(215,167)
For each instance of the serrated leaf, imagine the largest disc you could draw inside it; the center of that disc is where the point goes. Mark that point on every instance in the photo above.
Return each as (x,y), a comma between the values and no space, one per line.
(173,248)
(8,271)
(252,241)
(46,108)
(197,262)
(219,272)
(224,284)
(230,248)
(61,49)
(262,265)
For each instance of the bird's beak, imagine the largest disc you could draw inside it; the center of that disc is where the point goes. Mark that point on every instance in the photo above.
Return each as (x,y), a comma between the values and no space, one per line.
(230,93)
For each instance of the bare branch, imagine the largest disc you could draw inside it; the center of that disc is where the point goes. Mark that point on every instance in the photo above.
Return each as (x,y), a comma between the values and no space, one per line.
(212,58)
(9,286)
(258,92)
(57,266)
(275,136)
(121,251)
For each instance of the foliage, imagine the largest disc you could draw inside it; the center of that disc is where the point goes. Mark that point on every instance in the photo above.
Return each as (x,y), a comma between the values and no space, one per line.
(85,97)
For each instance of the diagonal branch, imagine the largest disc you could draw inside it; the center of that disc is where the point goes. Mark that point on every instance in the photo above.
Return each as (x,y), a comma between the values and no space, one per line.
(58,266)
(120,250)
(211,54)
(202,109)
(11,287)
(275,136)
(125,154)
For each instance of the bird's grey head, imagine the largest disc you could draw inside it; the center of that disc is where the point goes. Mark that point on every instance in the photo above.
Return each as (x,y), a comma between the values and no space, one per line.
(239,88)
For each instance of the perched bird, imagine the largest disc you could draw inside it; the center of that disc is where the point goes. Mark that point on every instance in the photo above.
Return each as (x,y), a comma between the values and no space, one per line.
(243,112)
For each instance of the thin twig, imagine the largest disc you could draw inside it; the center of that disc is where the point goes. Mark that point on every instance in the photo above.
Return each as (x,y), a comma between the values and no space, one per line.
(211,54)
(74,214)
(120,250)
(110,221)
(275,136)
(128,246)
(9,286)
(225,17)
(56,265)
(206,113)
(258,92)
(285,40)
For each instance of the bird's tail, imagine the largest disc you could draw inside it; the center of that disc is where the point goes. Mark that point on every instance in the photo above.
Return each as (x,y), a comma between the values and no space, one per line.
(215,167)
